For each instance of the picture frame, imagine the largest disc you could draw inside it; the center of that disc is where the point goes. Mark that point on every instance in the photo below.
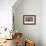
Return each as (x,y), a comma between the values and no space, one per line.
(29,19)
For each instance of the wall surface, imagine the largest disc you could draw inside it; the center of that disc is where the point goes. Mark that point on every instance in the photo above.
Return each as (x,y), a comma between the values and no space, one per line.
(28,7)
(6,16)
(43,22)
(6,13)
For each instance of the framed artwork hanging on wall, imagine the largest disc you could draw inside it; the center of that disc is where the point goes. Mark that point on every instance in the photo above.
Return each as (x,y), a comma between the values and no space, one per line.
(29,19)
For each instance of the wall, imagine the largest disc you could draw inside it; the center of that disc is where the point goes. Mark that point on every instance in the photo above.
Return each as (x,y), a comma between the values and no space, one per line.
(28,7)
(43,22)
(6,13)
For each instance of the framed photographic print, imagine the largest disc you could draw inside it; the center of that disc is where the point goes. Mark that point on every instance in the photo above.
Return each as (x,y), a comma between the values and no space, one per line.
(29,19)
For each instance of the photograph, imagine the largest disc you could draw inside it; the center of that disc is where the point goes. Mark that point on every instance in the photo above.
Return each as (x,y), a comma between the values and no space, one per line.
(29,19)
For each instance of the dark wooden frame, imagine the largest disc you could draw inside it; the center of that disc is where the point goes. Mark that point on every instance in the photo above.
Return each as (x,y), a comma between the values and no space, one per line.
(29,23)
